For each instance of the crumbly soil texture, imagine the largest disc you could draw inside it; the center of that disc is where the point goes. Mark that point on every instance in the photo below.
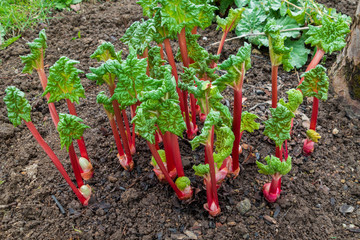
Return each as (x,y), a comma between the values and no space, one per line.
(320,197)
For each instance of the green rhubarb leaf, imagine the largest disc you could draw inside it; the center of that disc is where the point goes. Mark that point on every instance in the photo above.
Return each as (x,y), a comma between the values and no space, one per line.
(273,5)
(330,36)
(156,64)
(132,79)
(35,60)
(17,106)
(223,144)
(274,165)
(299,54)
(231,21)
(279,54)
(145,124)
(105,52)
(253,21)
(139,35)
(64,81)
(182,183)
(149,7)
(316,83)
(162,156)
(203,70)
(70,127)
(201,169)
(213,118)
(224,5)
(233,65)
(288,23)
(277,128)
(104,73)
(248,122)
(206,12)
(313,135)
(242,3)
(295,99)
(101,98)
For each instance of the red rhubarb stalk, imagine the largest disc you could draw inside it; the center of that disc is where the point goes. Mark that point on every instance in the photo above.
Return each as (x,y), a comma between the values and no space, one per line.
(314,62)
(117,137)
(75,165)
(128,133)
(274,74)
(56,162)
(168,152)
(314,115)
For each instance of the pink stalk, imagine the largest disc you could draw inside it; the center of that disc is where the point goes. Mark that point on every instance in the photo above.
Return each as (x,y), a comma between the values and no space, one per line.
(81,142)
(315,61)
(56,162)
(120,155)
(128,133)
(274,74)
(128,164)
(75,165)
(161,51)
(169,153)
(181,195)
(171,60)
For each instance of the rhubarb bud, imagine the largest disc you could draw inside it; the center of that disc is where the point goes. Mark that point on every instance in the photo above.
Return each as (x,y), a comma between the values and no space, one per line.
(270,197)
(87,168)
(213,210)
(86,191)
(308,147)
(313,135)
(183,183)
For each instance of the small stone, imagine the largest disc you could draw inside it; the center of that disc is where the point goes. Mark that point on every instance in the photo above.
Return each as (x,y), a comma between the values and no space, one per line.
(318,205)
(204,38)
(346,209)
(335,131)
(112,179)
(259,92)
(246,236)
(342,181)
(178,236)
(190,234)
(332,201)
(358,202)
(269,219)
(351,226)
(312,171)
(244,206)
(277,211)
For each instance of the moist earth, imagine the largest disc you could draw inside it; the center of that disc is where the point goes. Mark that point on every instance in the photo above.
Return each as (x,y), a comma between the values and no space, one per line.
(134,205)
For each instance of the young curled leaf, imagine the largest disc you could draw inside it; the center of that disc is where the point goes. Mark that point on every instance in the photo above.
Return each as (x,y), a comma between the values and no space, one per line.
(316,83)
(102,99)
(201,169)
(295,99)
(70,127)
(35,59)
(223,144)
(105,52)
(17,106)
(274,165)
(277,128)
(330,37)
(182,183)
(203,70)
(103,73)
(313,135)
(279,54)
(64,81)
(231,21)
(213,118)
(248,122)
(145,124)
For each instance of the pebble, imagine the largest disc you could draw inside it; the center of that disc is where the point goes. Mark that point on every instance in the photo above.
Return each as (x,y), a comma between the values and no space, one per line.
(342,181)
(346,209)
(244,206)
(246,236)
(277,211)
(259,92)
(332,201)
(112,179)
(190,234)
(178,236)
(318,205)
(212,224)
(269,219)
(335,131)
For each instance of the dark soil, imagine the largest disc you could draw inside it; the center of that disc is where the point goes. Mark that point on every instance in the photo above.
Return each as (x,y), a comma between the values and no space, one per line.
(133,205)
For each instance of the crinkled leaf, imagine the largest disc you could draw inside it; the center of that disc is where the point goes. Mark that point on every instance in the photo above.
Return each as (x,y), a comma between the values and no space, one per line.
(104,73)
(316,83)
(299,54)
(233,65)
(313,135)
(145,124)
(139,35)
(64,81)
(295,99)
(203,70)
(242,3)
(248,122)
(148,6)
(162,156)
(156,66)
(274,165)
(17,106)
(224,5)
(70,127)
(231,21)
(223,144)
(206,12)
(201,169)
(101,98)
(273,5)
(279,54)
(182,183)
(277,128)
(330,36)
(105,52)
(35,59)
(195,51)
(253,21)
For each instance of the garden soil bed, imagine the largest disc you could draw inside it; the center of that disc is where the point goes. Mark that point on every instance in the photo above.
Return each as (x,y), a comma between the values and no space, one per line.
(133,205)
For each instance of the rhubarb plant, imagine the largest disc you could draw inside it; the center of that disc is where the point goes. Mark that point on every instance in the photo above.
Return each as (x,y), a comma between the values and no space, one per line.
(214,170)
(19,110)
(159,110)
(316,85)
(35,60)
(236,67)
(64,83)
